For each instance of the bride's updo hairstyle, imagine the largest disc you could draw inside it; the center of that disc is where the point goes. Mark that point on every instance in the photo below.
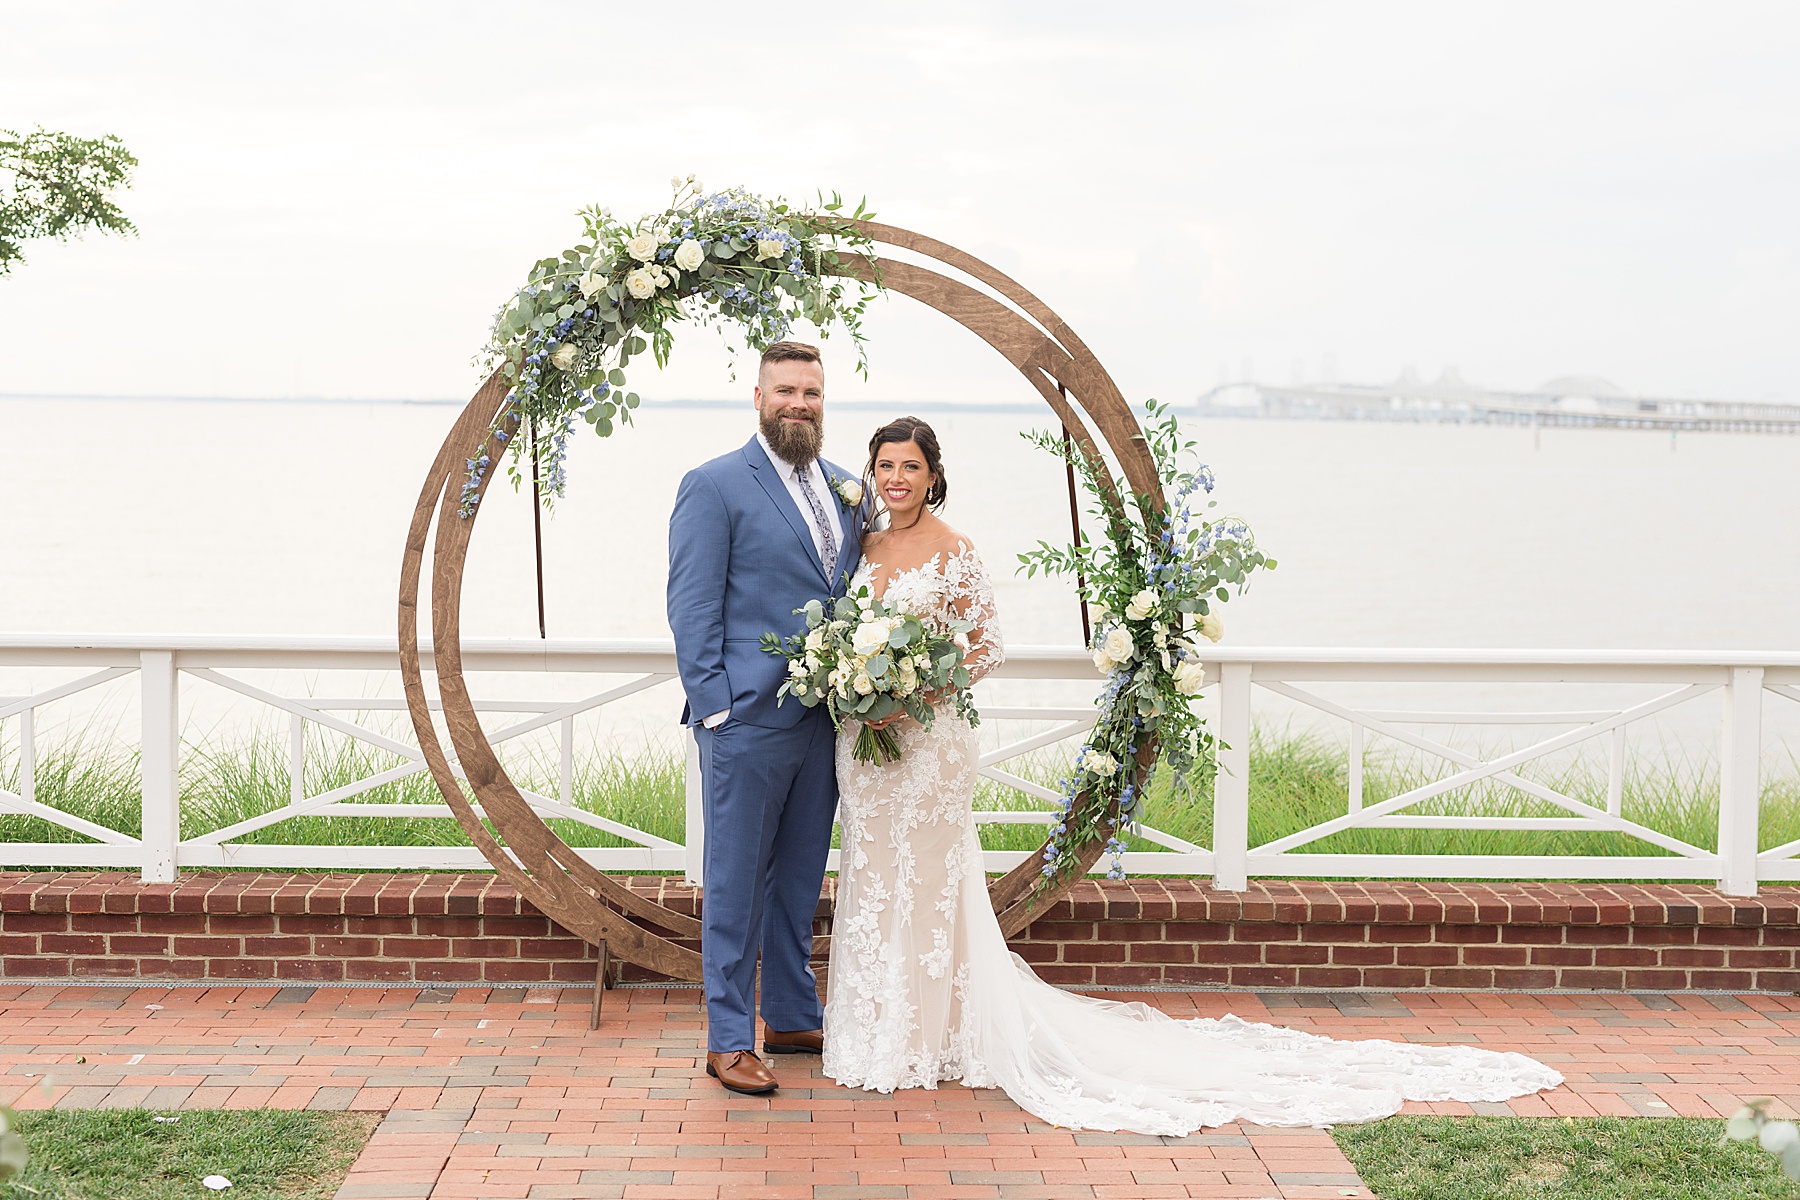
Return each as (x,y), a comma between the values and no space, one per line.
(910,429)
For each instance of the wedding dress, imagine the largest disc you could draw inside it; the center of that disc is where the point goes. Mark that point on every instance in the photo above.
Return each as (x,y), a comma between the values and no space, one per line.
(922,987)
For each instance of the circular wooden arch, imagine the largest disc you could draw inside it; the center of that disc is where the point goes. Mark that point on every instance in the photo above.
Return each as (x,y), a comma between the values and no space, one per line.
(528,853)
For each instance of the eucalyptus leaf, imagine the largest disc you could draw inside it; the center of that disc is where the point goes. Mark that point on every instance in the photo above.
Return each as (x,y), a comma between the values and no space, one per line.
(14,1156)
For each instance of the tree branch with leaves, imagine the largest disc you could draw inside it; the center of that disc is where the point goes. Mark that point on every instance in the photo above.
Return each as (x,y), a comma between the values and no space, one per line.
(57,185)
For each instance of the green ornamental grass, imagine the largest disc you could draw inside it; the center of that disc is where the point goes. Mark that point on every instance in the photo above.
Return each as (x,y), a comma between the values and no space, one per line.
(1296,780)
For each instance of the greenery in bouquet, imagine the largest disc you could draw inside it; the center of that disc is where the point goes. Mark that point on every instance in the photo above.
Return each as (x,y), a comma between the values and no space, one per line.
(727,259)
(1156,582)
(866,661)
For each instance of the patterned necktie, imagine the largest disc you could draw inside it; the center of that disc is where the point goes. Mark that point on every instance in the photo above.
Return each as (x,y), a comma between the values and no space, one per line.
(827,542)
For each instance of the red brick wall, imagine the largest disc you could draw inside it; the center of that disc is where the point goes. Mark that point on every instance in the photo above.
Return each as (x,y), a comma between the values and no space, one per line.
(1146,932)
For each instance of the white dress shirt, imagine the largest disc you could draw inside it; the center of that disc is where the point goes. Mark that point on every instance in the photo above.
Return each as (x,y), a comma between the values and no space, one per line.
(828,500)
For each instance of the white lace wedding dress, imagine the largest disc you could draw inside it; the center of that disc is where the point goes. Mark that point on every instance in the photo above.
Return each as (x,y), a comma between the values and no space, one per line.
(923,989)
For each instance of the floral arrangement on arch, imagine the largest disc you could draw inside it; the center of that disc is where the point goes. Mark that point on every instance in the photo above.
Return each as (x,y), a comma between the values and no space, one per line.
(564,340)
(1156,581)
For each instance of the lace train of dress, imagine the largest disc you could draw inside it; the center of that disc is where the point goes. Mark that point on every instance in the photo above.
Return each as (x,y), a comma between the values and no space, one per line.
(923,989)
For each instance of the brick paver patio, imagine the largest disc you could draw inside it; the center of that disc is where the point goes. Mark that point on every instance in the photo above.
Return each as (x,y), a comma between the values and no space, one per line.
(504,1092)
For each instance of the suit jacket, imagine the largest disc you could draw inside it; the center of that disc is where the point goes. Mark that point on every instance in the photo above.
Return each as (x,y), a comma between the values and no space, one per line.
(741,560)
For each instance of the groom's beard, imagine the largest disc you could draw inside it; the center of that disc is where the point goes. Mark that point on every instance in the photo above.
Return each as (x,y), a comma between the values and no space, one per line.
(796,444)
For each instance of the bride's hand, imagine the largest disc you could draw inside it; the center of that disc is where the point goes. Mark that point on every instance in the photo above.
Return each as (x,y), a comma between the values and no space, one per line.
(890,719)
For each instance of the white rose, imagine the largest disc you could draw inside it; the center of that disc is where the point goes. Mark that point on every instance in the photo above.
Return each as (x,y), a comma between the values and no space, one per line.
(852,491)
(1118,645)
(769,248)
(1142,605)
(815,639)
(592,284)
(1102,764)
(1103,662)
(641,283)
(796,667)
(863,685)
(1211,627)
(870,637)
(1777,1136)
(662,277)
(642,247)
(563,357)
(689,255)
(1190,676)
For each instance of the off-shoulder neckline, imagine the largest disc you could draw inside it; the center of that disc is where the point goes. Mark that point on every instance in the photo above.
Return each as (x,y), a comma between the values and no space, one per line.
(933,564)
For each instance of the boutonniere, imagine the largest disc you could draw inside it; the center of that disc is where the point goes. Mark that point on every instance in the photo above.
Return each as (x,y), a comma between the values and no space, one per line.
(849,491)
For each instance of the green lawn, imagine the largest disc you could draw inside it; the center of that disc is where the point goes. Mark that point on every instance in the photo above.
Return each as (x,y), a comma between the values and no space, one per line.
(1595,1158)
(126,1154)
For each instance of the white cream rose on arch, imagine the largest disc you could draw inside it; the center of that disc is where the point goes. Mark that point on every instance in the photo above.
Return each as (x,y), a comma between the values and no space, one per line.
(741,262)
(1156,580)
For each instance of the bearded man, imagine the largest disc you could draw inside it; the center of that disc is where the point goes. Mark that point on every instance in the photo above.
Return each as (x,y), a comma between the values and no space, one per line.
(756,534)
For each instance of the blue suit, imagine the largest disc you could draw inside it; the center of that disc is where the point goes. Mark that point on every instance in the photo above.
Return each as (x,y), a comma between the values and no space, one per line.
(741,560)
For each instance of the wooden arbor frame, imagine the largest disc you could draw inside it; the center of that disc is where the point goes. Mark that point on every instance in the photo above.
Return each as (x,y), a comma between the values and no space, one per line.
(527,853)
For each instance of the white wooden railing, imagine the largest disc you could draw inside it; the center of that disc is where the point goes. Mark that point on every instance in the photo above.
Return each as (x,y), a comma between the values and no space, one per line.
(1638,688)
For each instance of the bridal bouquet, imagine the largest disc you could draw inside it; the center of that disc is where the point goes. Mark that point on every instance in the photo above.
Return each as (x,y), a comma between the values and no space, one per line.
(866,660)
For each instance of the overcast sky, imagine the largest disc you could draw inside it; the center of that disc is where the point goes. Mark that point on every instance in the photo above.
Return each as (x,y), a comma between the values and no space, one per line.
(334,197)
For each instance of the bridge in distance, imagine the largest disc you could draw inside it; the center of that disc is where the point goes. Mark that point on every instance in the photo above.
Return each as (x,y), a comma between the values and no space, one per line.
(1570,401)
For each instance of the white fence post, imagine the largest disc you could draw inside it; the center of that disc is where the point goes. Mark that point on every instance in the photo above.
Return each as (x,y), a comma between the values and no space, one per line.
(28,755)
(158,760)
(694,824)
(1231,786)
(1740,782)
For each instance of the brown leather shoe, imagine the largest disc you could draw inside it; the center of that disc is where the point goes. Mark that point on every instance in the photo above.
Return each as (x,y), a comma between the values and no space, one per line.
(804,1041)
(740,1071)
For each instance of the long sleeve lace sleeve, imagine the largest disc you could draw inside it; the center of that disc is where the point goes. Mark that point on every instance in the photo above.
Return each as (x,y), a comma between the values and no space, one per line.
(971,598)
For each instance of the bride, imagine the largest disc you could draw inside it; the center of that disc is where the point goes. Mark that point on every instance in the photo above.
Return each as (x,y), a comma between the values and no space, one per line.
(922,988)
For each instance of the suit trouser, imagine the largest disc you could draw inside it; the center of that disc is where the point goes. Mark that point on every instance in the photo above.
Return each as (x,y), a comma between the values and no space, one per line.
(768,796)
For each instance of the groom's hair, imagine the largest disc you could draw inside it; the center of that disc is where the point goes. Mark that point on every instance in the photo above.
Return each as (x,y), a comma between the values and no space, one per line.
(789,352)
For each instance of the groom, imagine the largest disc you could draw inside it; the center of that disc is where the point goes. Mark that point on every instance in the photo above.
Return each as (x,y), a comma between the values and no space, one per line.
(755,534)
